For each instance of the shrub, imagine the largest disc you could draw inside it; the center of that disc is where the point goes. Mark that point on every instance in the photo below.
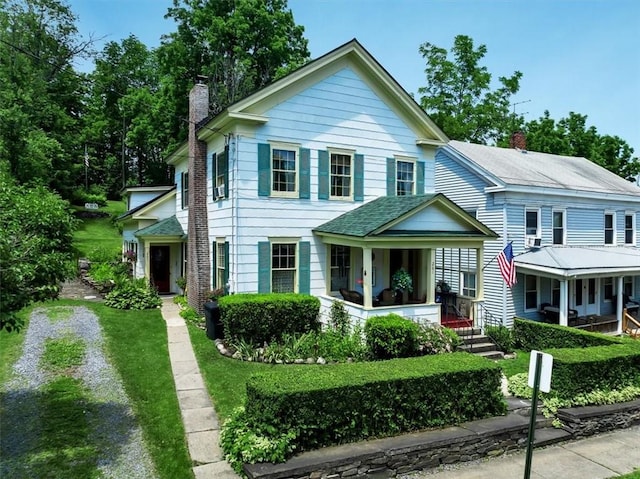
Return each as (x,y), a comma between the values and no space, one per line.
(348,402)
(191,316)
(257,318)
(242,444)
(531,335)
(103,254)
(502,337)
(102,272)
(391,336)
(435,339)
(133,294)
(339,318)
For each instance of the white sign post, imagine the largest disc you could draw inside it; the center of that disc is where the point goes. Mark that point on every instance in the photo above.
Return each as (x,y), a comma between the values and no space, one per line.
(540,366)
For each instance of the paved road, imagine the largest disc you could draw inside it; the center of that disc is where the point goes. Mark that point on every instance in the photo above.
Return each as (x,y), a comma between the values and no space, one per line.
(599,457)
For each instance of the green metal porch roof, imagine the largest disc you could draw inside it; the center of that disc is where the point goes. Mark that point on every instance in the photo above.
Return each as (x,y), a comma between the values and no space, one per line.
(166,227)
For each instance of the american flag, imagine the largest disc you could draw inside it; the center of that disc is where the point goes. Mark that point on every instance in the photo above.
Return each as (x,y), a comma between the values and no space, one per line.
(507,266)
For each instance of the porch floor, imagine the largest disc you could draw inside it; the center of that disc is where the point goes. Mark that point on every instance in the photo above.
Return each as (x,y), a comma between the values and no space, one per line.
(607,323)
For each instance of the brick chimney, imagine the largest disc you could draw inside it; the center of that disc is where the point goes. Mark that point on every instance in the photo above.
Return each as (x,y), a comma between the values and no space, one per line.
(518,141)
(198,263)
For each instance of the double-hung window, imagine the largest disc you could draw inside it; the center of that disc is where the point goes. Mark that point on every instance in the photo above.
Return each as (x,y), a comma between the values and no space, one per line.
(629,229)
(555,292)
(284,171)
(185,189)
(405,177)
(221,263)
(532,222)
(530,292)
(340,267)
(627,285)
(341,171)
(558,218)
(469,287)
(283,267)
(609,228)
(607,285)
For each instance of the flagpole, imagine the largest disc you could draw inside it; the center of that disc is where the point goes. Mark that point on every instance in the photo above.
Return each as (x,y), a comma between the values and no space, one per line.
(493,259)
(86,168)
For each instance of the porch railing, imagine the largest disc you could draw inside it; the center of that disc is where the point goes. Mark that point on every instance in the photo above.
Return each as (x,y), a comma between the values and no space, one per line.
(630,325)
(483,318)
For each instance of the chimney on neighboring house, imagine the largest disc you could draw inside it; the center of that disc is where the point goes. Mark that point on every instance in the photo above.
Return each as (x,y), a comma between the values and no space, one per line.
(518,141)
(198,264)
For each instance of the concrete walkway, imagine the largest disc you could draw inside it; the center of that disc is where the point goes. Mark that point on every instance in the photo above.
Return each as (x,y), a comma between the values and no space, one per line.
(200,421)
(598,457)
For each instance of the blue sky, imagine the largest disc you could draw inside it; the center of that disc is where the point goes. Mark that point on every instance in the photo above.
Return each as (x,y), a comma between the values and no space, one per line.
(575,55)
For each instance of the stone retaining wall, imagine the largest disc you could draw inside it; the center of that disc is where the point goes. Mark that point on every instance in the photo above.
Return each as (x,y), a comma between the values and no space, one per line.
(388,457)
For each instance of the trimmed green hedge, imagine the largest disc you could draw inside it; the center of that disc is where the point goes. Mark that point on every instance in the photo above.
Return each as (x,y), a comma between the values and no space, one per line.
(535,335)
(256,318)
(391,336)
(582,370)
(342,403)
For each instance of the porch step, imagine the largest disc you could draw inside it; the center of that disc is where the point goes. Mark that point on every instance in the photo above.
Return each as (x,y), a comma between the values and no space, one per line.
(462,332)
(478,347)
(478,344)
(550,435)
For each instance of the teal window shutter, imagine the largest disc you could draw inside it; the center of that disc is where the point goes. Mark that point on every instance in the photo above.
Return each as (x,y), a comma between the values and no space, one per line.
(264,169)
(225,170)
(305,173)
(264,267)
(179,185)
(213,175)
(358,177)
(226,265)
(304,268)
(323,175)
(420,178)
(391,177)
(214,265)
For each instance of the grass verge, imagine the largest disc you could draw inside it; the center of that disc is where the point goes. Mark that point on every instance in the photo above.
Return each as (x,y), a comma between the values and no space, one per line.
(224,377)
(520,364)
(11,345)
(137,345)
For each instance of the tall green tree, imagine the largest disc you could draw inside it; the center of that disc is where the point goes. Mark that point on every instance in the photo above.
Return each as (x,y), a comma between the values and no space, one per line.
(40,93)
(35,246)
(240,45)
(458,95)
(572,137)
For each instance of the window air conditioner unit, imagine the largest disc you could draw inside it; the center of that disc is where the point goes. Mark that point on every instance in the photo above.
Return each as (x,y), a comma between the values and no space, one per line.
(220,193)
(532,242)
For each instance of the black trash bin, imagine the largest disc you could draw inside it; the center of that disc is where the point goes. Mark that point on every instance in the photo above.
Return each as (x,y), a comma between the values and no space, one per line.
(212,319)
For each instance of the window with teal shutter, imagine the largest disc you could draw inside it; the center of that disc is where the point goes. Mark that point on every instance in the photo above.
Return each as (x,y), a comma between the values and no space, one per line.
(225,169)
(185,189)
(391,177)
(214,265)
(213,175)
(420,178)
(358,177)
(226,263)
(304,270)
(323,175)
(264,169)
(264,267)
(305,173)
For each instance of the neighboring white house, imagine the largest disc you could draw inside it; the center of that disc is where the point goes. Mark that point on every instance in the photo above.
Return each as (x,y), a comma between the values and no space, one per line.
(322,181)
(573,227)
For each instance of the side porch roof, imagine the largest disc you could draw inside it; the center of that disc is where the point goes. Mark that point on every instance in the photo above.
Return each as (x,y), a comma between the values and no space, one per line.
(580,261)
(416,218)
(167,228)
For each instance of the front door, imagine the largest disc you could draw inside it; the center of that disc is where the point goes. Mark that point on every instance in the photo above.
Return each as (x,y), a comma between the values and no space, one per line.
(160,268)
(586,296)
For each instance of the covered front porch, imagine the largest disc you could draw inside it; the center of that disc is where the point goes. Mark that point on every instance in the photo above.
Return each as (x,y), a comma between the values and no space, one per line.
(381,258)
(581,286)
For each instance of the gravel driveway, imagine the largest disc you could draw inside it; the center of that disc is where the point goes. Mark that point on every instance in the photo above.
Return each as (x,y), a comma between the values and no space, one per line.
(113,432)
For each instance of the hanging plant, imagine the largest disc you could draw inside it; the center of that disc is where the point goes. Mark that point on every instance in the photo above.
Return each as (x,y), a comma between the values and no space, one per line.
(402,280)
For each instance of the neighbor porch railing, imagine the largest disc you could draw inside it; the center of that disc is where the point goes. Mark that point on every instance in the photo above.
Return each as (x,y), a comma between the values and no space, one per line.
(630,325)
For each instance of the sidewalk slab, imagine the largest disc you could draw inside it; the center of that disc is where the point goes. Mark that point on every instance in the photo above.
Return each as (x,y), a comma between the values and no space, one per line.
(193,399)
(215,470)
(189,381)
(181,352)
(204,447)
(200,419)
(182,368)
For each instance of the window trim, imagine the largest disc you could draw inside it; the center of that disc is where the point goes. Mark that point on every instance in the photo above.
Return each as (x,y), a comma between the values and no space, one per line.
(295,148)
(633,227)
(220,248)
(564,226)
(604,289)
(538,215)
(296,270)
(351,154)
(414,172)
(535,307)
(613,227)
(184,189)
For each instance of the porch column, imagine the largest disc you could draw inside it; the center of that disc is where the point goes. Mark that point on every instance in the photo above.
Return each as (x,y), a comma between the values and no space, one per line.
(564,303)
(367,269)
(479,275)
(147,260)
(619,311)
(430,268)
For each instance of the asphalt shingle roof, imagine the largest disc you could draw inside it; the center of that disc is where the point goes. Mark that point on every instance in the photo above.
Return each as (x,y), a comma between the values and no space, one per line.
(166,227)
(575,259)
(373,215)
(530,168)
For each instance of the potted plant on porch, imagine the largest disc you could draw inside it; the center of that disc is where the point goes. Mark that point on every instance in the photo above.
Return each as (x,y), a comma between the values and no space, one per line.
(402,282)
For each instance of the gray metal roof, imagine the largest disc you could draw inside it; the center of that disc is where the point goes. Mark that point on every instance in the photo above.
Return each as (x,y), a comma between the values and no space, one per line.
(529,168)
(569,261)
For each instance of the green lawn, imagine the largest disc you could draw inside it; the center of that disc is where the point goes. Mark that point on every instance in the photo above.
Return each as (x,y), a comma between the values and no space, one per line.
(514,366)
(100,234)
